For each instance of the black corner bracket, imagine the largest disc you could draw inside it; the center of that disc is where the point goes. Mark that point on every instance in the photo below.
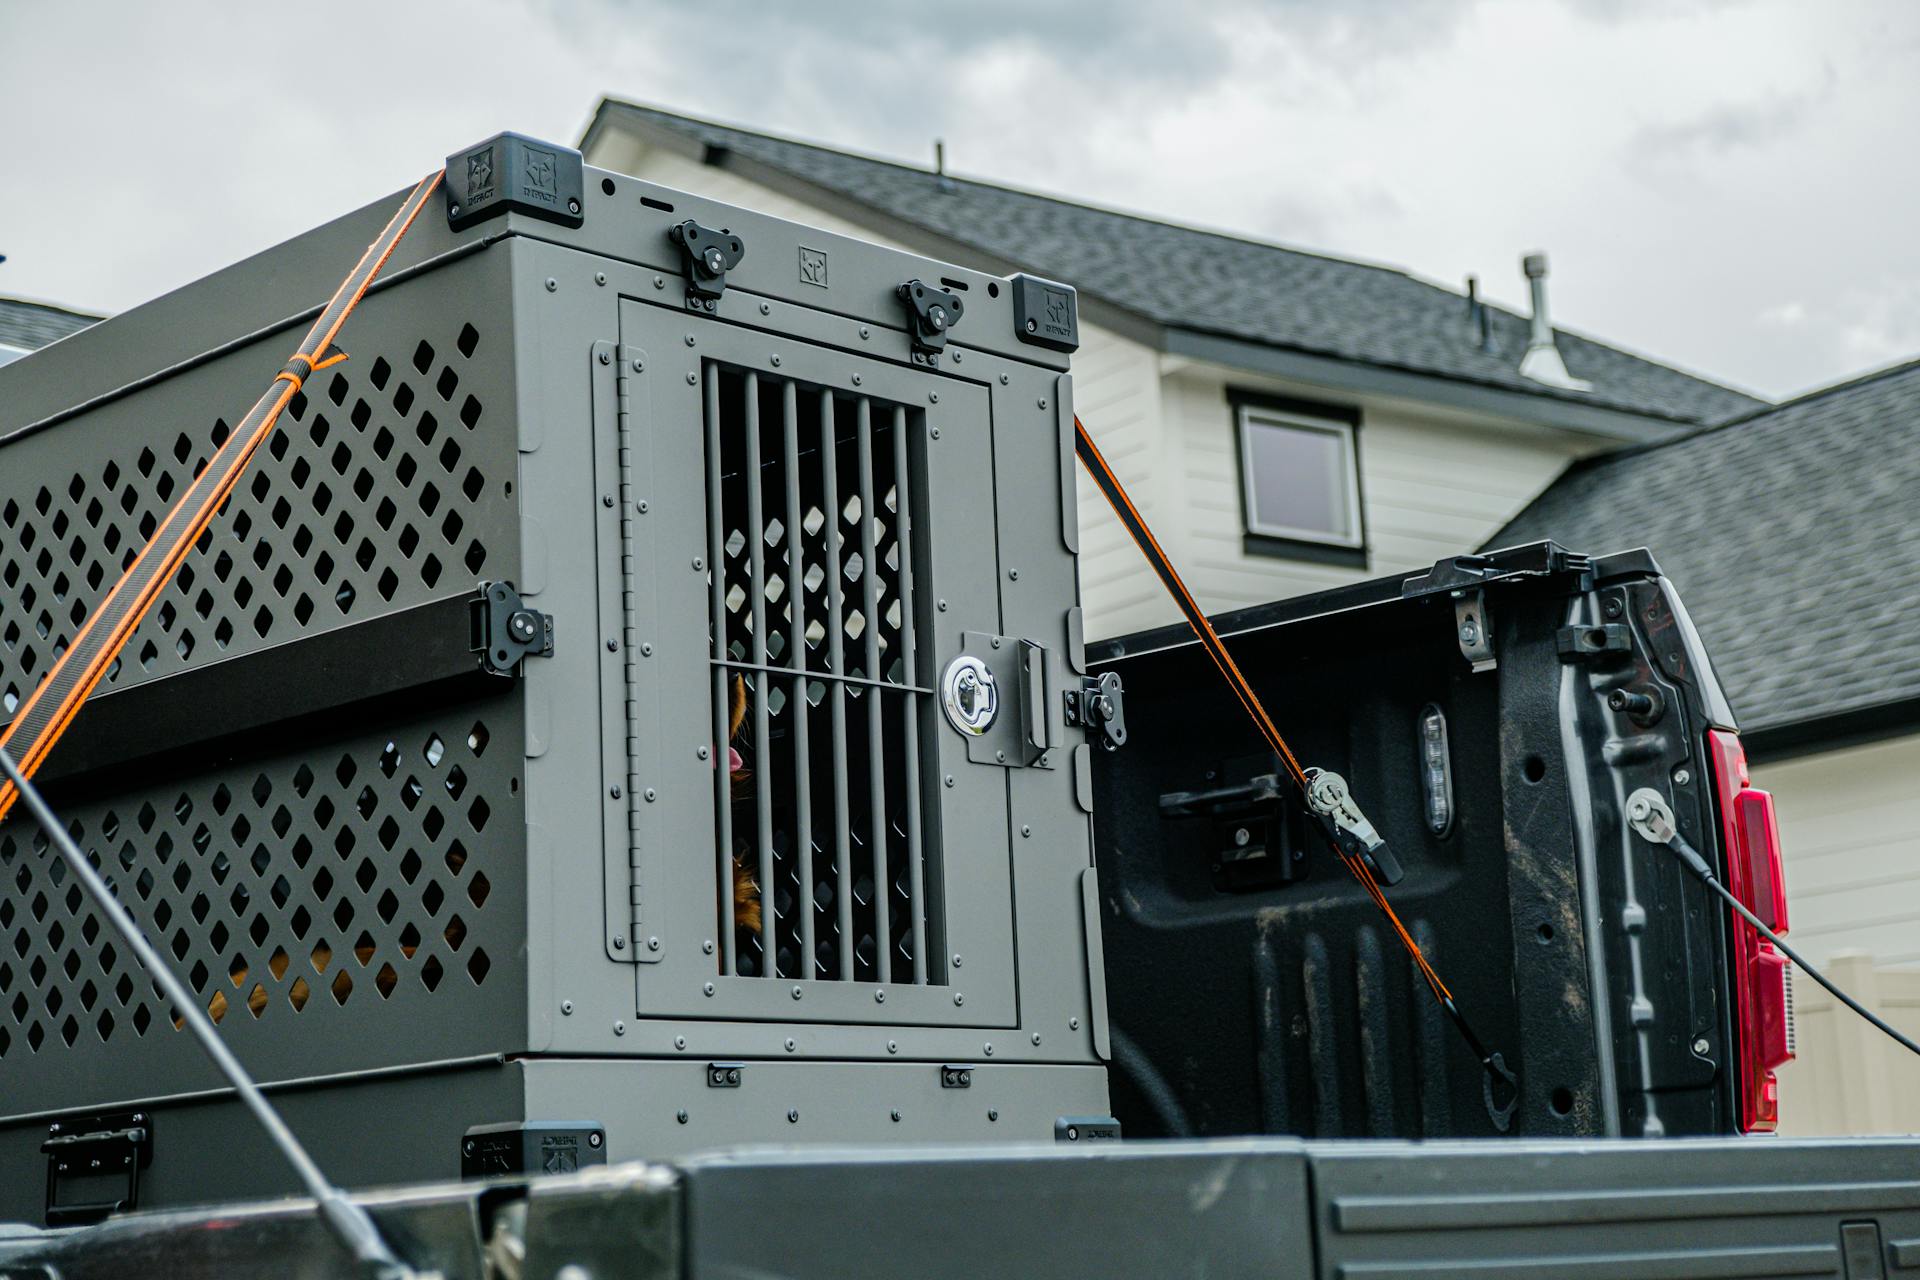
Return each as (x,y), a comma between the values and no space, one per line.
(512,173)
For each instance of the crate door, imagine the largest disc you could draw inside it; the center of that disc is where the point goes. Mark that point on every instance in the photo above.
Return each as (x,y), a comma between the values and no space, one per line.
(808,841)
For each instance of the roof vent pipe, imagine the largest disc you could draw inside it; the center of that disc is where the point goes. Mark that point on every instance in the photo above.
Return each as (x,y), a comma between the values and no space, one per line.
(1542,362)
(940,165)
(1478,317)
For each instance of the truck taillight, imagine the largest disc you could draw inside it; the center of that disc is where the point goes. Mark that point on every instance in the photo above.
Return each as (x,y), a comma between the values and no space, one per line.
(1763,993)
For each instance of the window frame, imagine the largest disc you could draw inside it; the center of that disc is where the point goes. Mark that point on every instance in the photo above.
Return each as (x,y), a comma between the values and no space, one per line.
(1252,410)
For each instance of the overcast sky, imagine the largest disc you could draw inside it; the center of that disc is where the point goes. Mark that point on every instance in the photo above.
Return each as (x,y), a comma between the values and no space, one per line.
(1728,185)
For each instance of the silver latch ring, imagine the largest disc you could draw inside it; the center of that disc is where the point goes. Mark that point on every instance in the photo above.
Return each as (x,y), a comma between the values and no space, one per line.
(970,695)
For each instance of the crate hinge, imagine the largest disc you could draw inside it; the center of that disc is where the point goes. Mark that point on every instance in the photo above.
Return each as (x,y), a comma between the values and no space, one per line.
(630,365)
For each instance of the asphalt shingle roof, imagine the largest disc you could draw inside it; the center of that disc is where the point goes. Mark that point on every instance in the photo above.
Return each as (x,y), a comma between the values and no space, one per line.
(1219,284)
(32,325)
(1791,535)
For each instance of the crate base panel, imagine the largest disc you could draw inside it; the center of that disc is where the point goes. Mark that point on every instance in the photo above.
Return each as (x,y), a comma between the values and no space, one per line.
(390,1129)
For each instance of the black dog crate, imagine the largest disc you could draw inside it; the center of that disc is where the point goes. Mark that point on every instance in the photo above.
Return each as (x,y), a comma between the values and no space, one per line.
(772,495)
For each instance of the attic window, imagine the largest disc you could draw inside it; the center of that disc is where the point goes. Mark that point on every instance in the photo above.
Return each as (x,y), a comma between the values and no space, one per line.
(1300,476)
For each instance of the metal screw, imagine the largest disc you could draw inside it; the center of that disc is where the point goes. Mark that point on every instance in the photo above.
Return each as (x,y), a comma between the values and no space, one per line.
(573,206)
(639,365)
(642,505)
(1073,1024)
(606,500)
(995,642)
(466,1146)
(789,1044)
(1681,777)
(797,993)
(893,1046)
(1036,1038)
(1000,757)
(1003,379)
(681,1116)
(606,357)
(1700,1045)
(856,379)
(959,998)
(1026,831)
(453,210)
(679,1042)
(949,779)
(689,339)
(659,282)
(614,792)
(613,646)
(594,1140)
(653,944)
(701,752)
(942,606)
(992,1114)
(1469,633)
(1043,402)
(879,997)
(988,1049)
(619,942)
(619,1028)
(774,361)
(599,277)
(933,397)
(1013,575)
(894,1115)
(765,309)
(793,1116)
(692,377)
(1639,809)
(956,960)
(863,331)
(706,946)
(699,564)
(552,284)
(650,795)
(1242,836)
(708,988)
(566,1007)
(935,433)
(1611,608)
(646,648)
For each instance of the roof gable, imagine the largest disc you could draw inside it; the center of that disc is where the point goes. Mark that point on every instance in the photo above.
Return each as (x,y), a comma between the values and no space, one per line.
(1204,281)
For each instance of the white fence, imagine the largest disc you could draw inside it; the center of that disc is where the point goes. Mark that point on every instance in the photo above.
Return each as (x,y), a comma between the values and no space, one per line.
(1849,1078)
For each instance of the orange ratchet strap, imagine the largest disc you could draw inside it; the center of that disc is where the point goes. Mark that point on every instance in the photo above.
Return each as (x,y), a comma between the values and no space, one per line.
(1495,1067)
(47,712)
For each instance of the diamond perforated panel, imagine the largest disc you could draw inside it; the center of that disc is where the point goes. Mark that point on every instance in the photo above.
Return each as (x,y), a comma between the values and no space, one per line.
(312,891)
(387,484)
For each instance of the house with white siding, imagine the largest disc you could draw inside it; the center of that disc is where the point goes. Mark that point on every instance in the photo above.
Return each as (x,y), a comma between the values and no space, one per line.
(1288,421)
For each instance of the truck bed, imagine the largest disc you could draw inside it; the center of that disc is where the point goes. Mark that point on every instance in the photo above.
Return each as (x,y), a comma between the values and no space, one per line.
(1229,1207)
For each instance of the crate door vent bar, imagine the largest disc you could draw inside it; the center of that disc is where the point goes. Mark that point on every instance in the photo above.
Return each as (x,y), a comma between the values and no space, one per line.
(826,851)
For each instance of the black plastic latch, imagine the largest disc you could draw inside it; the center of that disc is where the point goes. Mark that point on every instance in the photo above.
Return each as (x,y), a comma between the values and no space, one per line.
(1086,1129)
(512,173)
(931,315)
(516,1148)
(724,1075)
(1100,708)
(1579,643)
(503,630)
(956,1077)
(1046,313)
(709,256)
(116,1146)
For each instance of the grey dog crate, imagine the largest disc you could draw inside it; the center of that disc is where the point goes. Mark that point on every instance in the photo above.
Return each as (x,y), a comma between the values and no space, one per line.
(431,873)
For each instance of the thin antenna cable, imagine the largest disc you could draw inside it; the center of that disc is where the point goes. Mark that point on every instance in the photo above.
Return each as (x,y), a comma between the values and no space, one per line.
(347,1220)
